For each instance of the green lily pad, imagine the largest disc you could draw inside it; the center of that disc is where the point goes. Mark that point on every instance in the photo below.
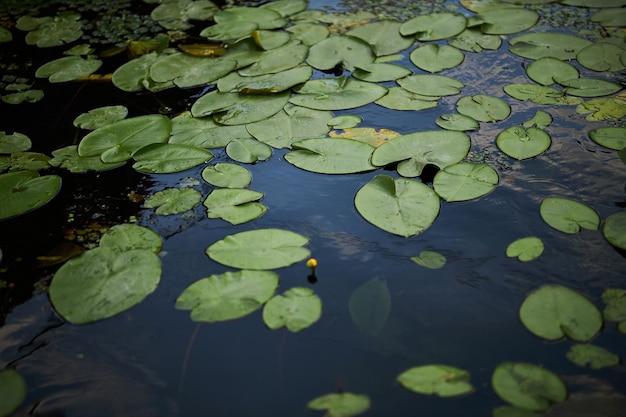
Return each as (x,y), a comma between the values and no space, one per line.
(520,143)
(227,32)
(554,311)
(346,51)
(287,7)
(68,158)
(439,380)
(483,108)
(568,216)
(119,141)
(474,40)
(16,142)
(101,116)
(590,87)
(429,259)
(28,96)
(5,35)
(434,26)
(369,306)
(51,31)
(525,249)
(610,17)
(615,300)
(344,404)
(609,137)
(507,20)
(267,83)
(248,150)
(227,175)
(601,56)
(454,121)
(399,98)
(436,58)
(603,108)
(12,391)
(228,296)
(68,68)
(416,150)
(308,33)
(238,109)
(331,155)
(383,36)
(596,356)
(380,72)
(539,94)
(173,200)
(465,181)
(166,158)
(345,122)
(127,236)
(297,309)
(337,93)
(264,18)
(260,249)
(431,85)
(24,161)
(245,52)
(540,120)
(528,386)
(204,132)
(135,75)
(614,229)
(189,71)
(402,206)
(270,39)
(175,15)
(24,191)
(549,70)
(234,205)
(541,44)
(277,60)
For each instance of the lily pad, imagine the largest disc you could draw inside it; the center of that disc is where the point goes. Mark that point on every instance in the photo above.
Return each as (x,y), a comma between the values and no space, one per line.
(399,98)
(344,404)
(431,85)
(549,70)
(609,137)
(380,72)
(248,150)
(483,108)
(16,142)
(345,51)
(474,40)
(615,300)
(590,87)
(175,15)
(47,31)
(68,68)
(5,35)
(331,155)
(101,116)
(554,311)
(454,121)
(525,249)
(12,390)
(185,70)
(308,33)
(345,122)
(369,306)
(603,108)
(228,296)
(28,96)
(264,18)
(540,120)
(383,36)
(596,356)
(465,181)
(528,386)
(541,44)
(128,236)
(119,141)
(227,175)
(277,60)
(260,249)
(520,143)
(237,109)
(416,150)
(402,206)
(270,39)
(429,259)
(337,93)
(234,205)
(267,83)
(601,56)
(434,26)
(24,191)
(436,58)
(614,229)
(374,137)
(166,158)
(439,380)
(507,20)
(297,309)
(68,158)
(568,216)
(135,75)
(539,94)
(204,132)
(173,200)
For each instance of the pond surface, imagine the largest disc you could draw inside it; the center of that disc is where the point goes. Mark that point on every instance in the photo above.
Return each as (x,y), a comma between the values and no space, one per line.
(152,360)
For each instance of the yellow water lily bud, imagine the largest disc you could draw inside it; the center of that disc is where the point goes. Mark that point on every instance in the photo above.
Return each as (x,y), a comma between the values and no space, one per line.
(311,263)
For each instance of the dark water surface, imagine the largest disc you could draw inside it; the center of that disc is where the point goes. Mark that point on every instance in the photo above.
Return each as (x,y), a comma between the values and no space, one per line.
(154,361)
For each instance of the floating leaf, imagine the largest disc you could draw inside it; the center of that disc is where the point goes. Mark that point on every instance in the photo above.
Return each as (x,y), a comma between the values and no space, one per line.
(431,85)
(379,72)
(596,356)
(541,120)
(234,205)
(185,70)
(609,17)
(331,155)
(101,116)
(12,391)
(399,98)
(520,143)
(337,93)
(68,158)
(483,108)
(52,31)
(264,18)
(227,175)
(248,150)
(165,158)
(238,109)
(135,75)
(267,83)
(436,58)
(554,311)
(615,300)
(24,161)
(176,14)
(536,93)
(118,141)
(287,7)
(5,36)
(344,122)
(340,50)
(454,121)
(28,96)
(541,44)
(603,108)
(437,147)
(402,206)
(68,68)
(525,249)
(344,404)
(614,229)
(370,305)
(601,56)
(439,380)
(270,39)
(429,259)
(507,20)
(297,309)
(260,249)
(277,60)
(474,40)
(173,200)
(204,132)
(568,216)
(383,36)
(549,70)
(527,386)
(590,87)
(465,181)
(434,26)
(16,142)
(127,236)
(308,33)
(228,296)
(374,137)
(24,191)
(609,137)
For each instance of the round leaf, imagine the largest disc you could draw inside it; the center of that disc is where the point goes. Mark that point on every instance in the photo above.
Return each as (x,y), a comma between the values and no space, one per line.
(554,311)
(188,71)
(68,158)
(434,26)
(165,158)
(101,116)
(17,142)
(12,391)
(248,150)
(402,206)
(297,309)
(331,155)
(128,236)
(431,85)
(527,386)
(436,58)
(483,108)
(227,296)
(520,143)
(383,36)
(370,305)
(237,109)
(340,50)
(204,132)
(429,259)
(235,205)
(595,356)
(465,181)
(539,94)
(601,56)
(614,229)
(68,68)
(454,121)
(227,175)
(525,249)
(23,191)
(568,216)
(337,93)
(440,380)
(609,137)
(173,200)
(399,98)
(540,44)
(345,404)
(260,249)
(549,70)
(507,20)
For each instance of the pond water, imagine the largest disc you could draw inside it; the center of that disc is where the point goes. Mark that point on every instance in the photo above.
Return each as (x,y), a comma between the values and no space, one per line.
(152,360)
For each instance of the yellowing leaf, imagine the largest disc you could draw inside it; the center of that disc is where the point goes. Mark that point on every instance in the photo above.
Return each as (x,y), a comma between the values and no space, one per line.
(369,135)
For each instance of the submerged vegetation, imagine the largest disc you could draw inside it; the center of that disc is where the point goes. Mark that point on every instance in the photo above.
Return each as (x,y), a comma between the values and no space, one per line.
(283,80)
